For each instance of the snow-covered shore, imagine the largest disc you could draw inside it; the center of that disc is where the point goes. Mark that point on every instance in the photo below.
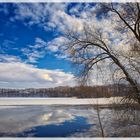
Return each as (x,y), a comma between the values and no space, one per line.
(58,101)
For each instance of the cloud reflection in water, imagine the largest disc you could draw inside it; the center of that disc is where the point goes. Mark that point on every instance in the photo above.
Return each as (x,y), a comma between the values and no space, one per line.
(34,120)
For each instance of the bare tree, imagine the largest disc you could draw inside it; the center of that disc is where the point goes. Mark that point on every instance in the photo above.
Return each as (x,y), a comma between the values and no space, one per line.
(89,48)
(129,16)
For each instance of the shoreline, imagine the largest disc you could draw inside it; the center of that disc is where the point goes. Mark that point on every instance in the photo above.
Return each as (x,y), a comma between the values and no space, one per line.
(58,101)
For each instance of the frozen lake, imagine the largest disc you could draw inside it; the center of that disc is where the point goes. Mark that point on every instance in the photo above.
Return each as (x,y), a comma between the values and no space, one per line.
(58,101)
(47,121)
(57,118)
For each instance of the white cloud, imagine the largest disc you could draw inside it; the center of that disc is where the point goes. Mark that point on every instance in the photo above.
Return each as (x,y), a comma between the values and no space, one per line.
(57,43)
(36,51)
(53,15)
(9,58)
(58,46)
(39,43)
(34,14)
(65,22)
(21,75)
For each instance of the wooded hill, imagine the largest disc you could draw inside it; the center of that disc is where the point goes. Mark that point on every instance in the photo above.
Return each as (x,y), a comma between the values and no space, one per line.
(78,91)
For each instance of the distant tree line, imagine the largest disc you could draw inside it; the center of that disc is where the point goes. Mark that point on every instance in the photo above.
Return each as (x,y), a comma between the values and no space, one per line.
(78,91)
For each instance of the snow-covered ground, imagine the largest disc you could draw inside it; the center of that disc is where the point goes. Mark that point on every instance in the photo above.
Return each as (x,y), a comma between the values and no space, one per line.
(58,101)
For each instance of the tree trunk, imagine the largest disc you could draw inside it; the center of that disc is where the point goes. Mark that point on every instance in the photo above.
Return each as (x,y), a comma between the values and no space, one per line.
(129,79)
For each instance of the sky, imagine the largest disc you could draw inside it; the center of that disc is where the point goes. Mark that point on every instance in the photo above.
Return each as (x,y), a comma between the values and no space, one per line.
(31,36)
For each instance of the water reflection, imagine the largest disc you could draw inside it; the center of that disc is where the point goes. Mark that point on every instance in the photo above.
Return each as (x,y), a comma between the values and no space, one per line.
(67,128)
(43,121)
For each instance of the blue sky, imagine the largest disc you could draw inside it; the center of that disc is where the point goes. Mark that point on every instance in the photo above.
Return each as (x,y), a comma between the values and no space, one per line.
(16,35)
(31,36)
